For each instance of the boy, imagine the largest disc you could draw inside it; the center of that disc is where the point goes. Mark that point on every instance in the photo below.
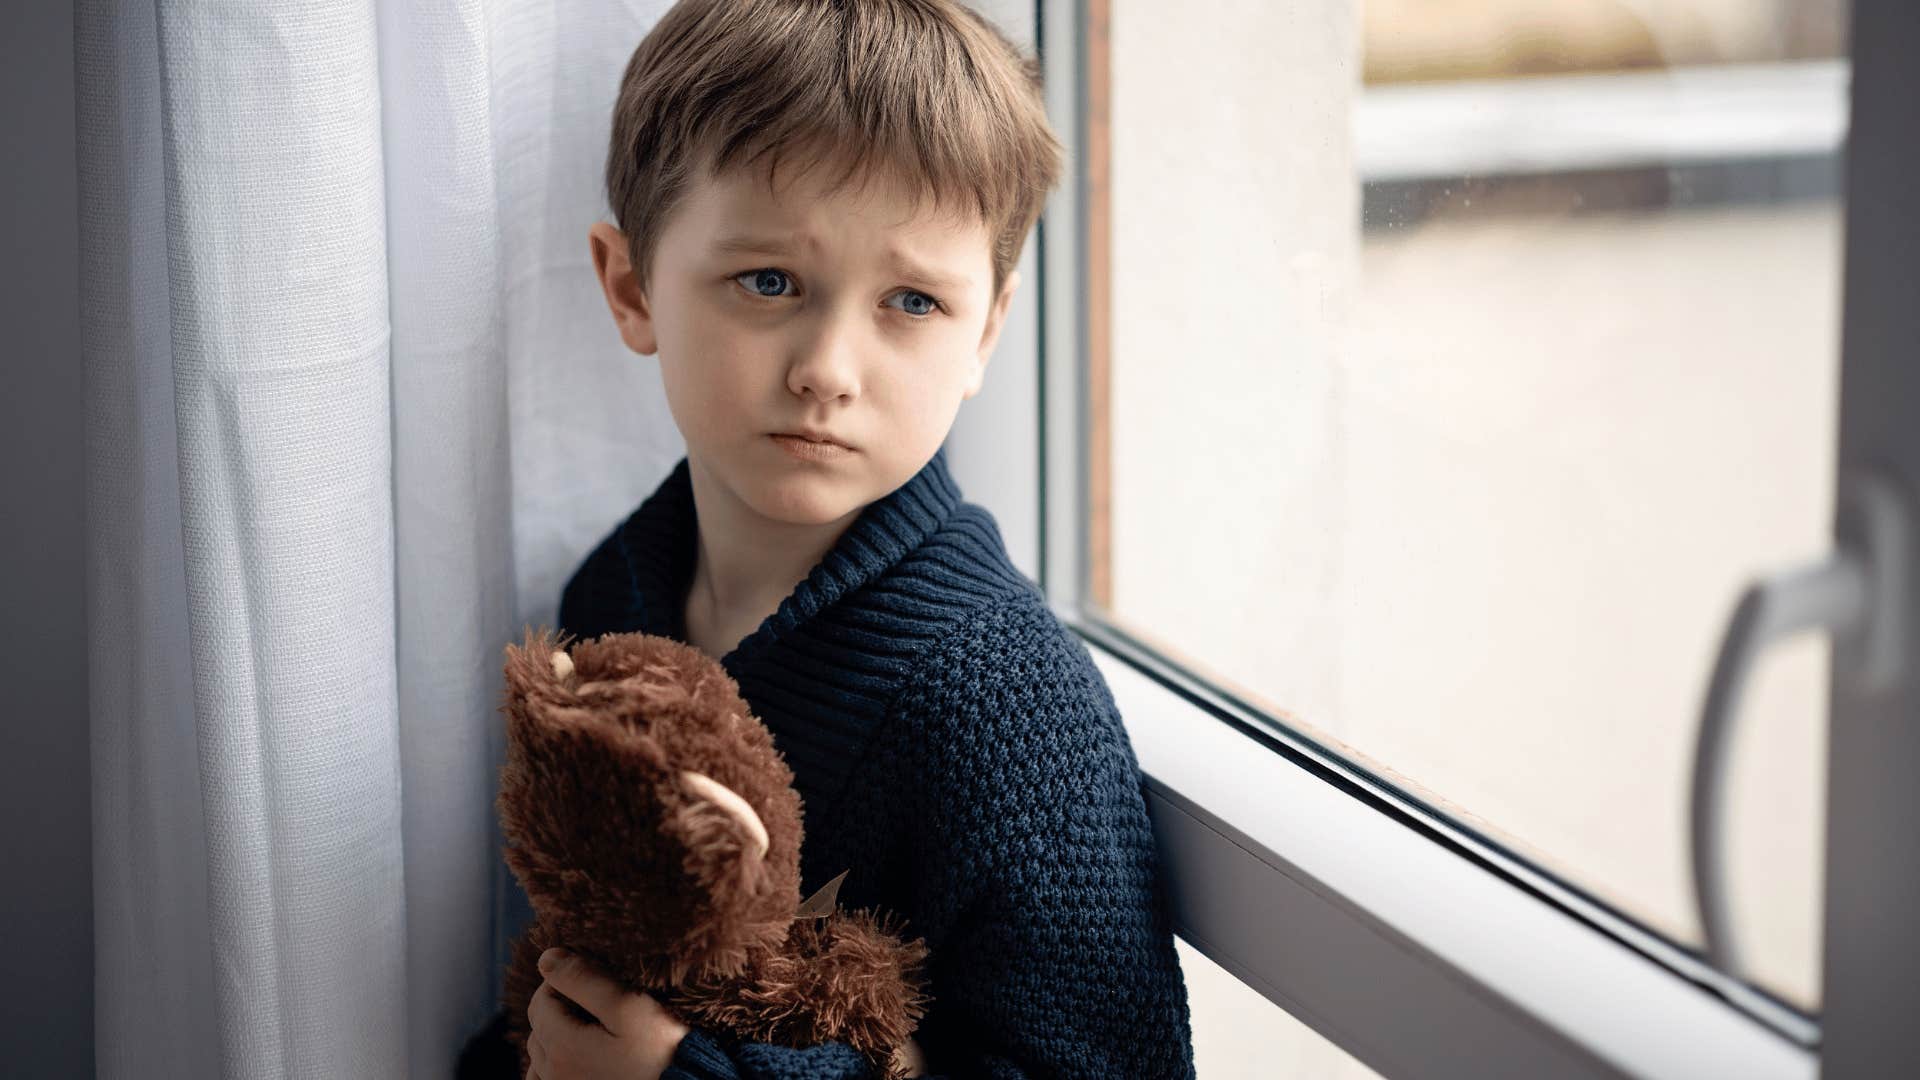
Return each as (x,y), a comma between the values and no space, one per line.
(820,204)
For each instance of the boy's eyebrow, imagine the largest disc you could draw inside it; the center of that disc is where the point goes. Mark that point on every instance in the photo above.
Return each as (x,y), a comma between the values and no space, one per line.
(765,245)
(911,270)
(781,245)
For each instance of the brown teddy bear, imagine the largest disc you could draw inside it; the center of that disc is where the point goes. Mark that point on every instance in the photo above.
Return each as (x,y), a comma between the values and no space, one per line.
(657,832)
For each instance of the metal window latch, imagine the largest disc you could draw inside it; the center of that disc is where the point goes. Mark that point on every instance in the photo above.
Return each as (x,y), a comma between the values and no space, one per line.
(1860,595)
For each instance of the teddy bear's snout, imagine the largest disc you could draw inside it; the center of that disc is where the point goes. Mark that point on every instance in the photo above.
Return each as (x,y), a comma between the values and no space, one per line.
(729,802)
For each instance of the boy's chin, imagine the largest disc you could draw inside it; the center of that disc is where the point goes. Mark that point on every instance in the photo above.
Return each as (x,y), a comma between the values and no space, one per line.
(803,498)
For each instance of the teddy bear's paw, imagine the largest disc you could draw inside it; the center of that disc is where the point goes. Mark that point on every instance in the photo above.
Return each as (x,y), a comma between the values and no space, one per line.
(865,957)
(846,977)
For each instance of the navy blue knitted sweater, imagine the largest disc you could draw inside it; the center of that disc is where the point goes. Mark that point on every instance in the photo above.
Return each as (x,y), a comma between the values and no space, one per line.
(955,748)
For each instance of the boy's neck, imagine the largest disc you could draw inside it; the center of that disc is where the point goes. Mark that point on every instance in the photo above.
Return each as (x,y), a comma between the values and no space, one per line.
(745,565)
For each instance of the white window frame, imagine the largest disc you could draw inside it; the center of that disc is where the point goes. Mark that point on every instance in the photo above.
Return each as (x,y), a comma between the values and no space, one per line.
(1417,946)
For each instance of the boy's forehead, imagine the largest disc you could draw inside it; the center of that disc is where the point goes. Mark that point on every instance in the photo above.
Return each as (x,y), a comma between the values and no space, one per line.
(804,211)
(821,191)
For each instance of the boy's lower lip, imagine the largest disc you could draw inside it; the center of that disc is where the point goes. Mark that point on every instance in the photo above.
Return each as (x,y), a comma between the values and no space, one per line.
(807,450)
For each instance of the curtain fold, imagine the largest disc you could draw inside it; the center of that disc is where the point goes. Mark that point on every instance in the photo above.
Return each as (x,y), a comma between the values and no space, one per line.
(452,504)
(300,556)
(153,956)
(271,355)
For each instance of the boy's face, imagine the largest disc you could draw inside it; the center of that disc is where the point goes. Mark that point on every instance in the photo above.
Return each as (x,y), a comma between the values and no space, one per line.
(847,313)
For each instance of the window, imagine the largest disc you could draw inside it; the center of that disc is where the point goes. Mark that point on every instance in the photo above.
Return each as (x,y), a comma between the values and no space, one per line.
(1500,448)
(1423,388)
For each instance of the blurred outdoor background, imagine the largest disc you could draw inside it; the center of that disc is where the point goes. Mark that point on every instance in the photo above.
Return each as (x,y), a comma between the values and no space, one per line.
(1493,346)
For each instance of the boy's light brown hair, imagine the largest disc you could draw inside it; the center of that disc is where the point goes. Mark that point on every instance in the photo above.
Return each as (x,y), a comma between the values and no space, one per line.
(925,89)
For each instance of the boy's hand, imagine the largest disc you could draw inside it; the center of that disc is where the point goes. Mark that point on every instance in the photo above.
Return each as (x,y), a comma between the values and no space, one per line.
(911,1058)
(633,1039)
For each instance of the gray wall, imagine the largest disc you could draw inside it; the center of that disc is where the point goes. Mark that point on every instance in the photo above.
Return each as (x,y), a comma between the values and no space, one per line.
(45,838)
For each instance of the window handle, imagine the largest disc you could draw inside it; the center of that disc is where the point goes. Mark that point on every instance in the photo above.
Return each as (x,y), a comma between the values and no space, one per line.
(1859,595)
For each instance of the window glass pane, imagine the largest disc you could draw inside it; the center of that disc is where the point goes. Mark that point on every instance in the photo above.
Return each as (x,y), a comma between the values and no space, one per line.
(1463,362)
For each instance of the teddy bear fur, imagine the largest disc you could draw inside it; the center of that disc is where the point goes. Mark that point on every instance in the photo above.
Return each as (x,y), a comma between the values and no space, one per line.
(632,862)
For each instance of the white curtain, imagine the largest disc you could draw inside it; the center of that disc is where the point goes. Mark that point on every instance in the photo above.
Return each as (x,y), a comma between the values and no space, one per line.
(355,408)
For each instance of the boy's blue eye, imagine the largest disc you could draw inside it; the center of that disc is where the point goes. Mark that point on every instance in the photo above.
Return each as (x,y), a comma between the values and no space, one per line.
(773,284)
(765,282)
(919,303)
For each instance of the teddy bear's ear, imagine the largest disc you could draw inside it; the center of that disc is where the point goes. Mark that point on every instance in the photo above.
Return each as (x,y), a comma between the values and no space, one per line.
(728,802)
(821,904)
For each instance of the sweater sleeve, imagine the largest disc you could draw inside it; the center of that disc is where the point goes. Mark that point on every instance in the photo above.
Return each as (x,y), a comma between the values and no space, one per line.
(1052,948)
(703,1055)
(1055,954)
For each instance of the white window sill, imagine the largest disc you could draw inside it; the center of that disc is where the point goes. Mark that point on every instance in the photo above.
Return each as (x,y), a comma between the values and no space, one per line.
(1415,959)
(1559,123)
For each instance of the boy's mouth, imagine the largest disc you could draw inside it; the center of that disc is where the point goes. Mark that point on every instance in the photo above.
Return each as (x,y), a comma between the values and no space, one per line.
(809,449)
(818,437)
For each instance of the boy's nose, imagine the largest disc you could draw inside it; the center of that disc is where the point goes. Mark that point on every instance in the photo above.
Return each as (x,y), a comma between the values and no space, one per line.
(827,365)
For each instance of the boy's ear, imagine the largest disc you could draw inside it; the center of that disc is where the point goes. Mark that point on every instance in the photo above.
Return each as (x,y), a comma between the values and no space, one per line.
(614,268)
(996,318)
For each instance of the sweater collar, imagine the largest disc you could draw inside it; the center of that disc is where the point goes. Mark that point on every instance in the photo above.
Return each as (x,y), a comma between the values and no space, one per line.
(660,542)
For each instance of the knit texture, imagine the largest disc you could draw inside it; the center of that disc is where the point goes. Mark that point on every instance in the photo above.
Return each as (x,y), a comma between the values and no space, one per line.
(957,750)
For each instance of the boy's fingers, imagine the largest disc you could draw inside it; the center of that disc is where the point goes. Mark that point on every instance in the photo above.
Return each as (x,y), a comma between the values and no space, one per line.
(540,1012)
(537,1058)
(555,1018)
(645,1012)
(585,986)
